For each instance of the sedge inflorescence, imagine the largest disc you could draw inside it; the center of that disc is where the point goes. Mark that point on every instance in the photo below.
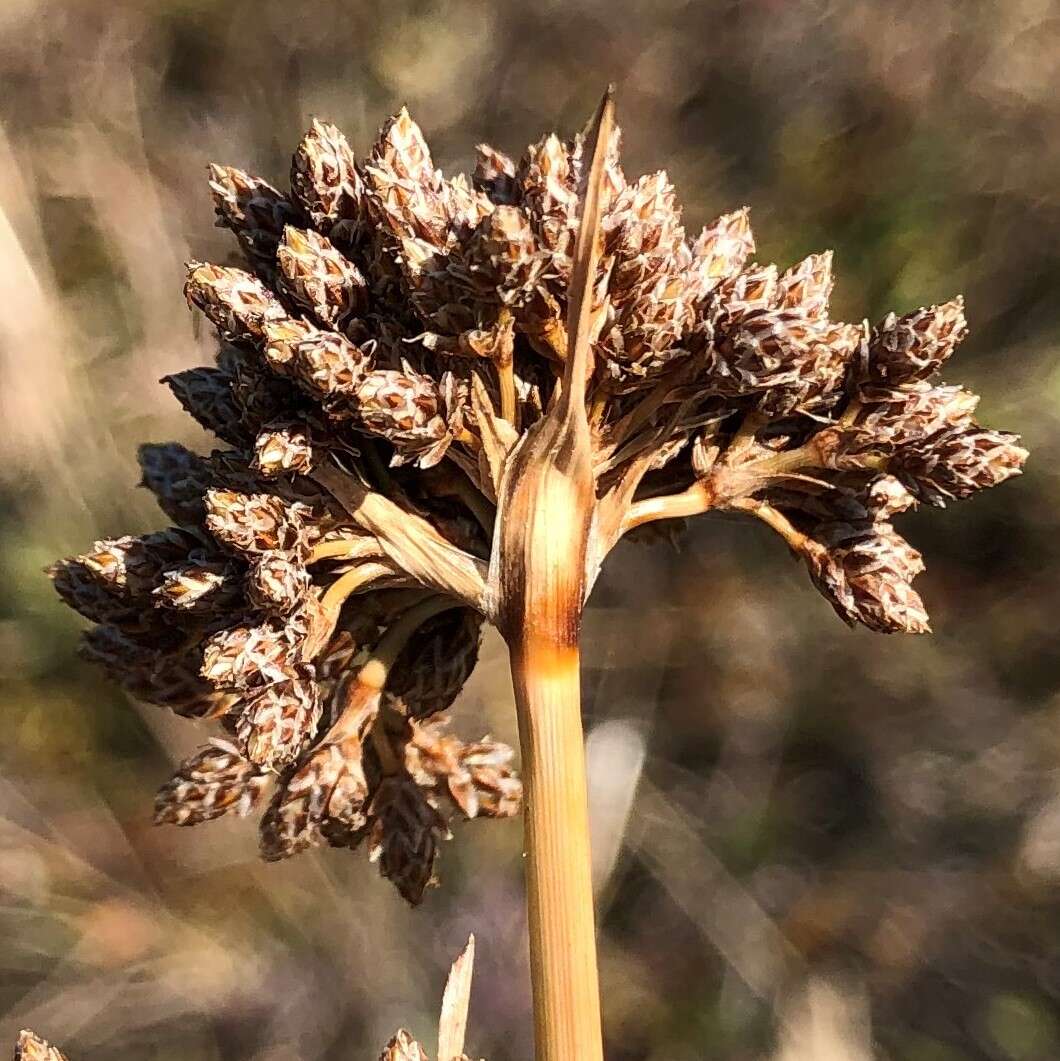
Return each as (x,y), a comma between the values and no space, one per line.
(387,344)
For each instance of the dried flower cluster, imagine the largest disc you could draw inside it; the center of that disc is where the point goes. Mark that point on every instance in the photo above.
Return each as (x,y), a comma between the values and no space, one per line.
(389,343)
(30,1047)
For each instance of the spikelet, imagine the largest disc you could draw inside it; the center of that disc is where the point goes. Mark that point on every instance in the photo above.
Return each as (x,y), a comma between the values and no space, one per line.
(653,287)
(318,278)
(216,780)
(278,720)
(284,447)
(323,800)
(722,248)
(866,573)
(436,664)
(807,286)
(402,1047)
(31,1047)
(236,303)
(915,347)
(410,411)
(254,210)
(325,182)
(405,830)
(956,464)
(477,777)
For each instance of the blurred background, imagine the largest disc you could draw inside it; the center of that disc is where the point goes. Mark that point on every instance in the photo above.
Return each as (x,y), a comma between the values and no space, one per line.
(813,844)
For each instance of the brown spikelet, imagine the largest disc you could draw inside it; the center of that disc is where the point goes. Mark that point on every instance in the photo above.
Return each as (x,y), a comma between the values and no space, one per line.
(236,303)
(322,800)
(866,572)
(914,347)
(956,464)
(405,830)
(31,1047)
(254,523)
(402,1047)
(325,181)
(436,664)
(278,719)
(477,777)
(284,447)
(722,248)
(277,582)
(807,286)
(409,410)
(254,210)
(216,780)
(319,278)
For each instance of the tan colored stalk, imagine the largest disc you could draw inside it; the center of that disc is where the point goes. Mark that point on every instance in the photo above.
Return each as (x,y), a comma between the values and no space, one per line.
(546,505)
(558,873)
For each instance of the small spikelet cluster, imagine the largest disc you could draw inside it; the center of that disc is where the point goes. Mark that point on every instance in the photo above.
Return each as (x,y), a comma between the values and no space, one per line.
(395,336)
(452,1023)
(31,1047)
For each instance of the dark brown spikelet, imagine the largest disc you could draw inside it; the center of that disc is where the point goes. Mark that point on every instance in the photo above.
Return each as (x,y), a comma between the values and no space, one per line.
(436,664)
(32,1047)
(866,573)
(216,780)
(206,393)
(653,286)
(404,832)
(172,473)
(914,347)
(956,464)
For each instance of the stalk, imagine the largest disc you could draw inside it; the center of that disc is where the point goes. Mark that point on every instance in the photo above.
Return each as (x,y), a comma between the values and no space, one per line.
(558,874)
(545,524)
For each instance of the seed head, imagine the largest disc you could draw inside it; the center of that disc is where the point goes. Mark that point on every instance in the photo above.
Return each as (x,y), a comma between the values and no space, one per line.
(393,357)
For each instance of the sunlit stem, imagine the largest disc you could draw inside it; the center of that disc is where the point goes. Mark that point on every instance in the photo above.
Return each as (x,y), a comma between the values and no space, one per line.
(365,689)
(798,542)
(505,361)
(696,499)
(360,547)
(349,583)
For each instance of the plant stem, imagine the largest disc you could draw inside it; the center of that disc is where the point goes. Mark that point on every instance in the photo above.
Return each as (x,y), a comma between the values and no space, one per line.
(545,510)
(558,873)
(506,369)
(691,502)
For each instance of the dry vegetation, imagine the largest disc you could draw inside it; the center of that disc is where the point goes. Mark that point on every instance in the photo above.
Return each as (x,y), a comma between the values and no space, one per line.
(832,833)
